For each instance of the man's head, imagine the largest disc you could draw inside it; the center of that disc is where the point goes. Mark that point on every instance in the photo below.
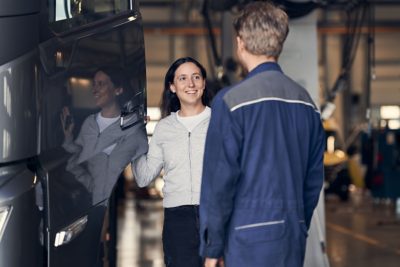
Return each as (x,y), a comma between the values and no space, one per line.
(262,28)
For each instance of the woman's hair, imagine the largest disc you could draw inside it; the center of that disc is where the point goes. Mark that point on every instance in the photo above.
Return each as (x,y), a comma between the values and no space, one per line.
(116,75)
(170,102)
(119,79)
(263,27)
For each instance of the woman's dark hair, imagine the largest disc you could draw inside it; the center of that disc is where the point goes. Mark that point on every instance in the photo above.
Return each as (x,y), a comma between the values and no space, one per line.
(117,75)
(119,79)
(170,102)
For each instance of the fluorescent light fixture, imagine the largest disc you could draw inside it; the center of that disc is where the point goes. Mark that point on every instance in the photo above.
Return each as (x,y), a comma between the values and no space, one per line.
(4,215)
(394,124)
(390,112)
(67,234)
(81,82)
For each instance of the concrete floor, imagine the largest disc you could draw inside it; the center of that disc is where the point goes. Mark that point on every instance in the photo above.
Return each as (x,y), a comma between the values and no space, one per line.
(360,233)
(139,233)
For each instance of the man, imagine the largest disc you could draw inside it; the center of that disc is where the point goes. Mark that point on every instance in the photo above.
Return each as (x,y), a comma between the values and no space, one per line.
(263,161)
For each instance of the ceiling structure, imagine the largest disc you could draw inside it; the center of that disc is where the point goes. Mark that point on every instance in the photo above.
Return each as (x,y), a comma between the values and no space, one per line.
(350,32)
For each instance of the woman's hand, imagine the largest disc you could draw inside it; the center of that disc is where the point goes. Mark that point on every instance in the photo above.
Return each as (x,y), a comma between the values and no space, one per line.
(67,122)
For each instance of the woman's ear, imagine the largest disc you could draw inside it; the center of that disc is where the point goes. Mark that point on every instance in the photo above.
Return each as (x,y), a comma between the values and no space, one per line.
(172,88)
(119,91)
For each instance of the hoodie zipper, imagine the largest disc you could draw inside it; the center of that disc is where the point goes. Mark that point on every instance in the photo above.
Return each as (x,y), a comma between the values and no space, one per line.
(190,168)
(190,158)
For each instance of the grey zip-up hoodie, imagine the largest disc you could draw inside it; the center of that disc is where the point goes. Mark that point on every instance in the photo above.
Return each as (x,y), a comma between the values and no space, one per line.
(97,171)
(180,154)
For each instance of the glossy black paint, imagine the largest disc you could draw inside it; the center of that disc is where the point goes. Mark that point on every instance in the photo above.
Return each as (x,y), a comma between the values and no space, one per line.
(50,67)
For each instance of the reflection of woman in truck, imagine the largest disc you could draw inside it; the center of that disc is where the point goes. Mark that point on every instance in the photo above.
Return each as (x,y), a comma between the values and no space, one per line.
(177,146)
(102,149)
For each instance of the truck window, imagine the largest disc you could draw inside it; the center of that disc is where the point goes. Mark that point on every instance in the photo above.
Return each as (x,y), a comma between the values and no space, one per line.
(65,15)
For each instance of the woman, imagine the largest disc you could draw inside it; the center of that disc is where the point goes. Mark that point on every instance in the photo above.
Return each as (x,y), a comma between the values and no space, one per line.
(102,149)
(177,147)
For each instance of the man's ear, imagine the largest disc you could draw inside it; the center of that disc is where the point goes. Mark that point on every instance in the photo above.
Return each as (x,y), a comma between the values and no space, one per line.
(240,43)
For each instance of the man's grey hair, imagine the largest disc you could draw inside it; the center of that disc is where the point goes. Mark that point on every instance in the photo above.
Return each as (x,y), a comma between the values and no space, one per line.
(263,27)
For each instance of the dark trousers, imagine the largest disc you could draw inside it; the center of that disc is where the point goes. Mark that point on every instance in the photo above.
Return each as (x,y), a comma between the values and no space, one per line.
(181,236)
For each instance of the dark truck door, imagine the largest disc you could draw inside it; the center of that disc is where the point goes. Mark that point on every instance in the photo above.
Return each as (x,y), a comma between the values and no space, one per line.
(86,38)
(20,216)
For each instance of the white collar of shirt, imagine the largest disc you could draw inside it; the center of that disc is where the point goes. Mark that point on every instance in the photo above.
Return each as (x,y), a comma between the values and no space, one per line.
(105,122)
(190,122)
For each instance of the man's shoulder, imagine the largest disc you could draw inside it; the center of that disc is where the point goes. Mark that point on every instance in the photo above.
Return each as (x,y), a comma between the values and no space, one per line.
(222,92)
(254,82)
(243,90)
(218,99)
(265,86)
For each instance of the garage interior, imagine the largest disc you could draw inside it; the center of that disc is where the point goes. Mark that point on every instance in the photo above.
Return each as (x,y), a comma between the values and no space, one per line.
(346,54)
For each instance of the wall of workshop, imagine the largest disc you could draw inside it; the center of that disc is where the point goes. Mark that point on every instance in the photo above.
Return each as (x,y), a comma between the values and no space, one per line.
(165,45)
(352,103)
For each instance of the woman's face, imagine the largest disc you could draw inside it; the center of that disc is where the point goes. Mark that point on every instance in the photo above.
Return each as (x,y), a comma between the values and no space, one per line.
(104,91)
(188,84)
